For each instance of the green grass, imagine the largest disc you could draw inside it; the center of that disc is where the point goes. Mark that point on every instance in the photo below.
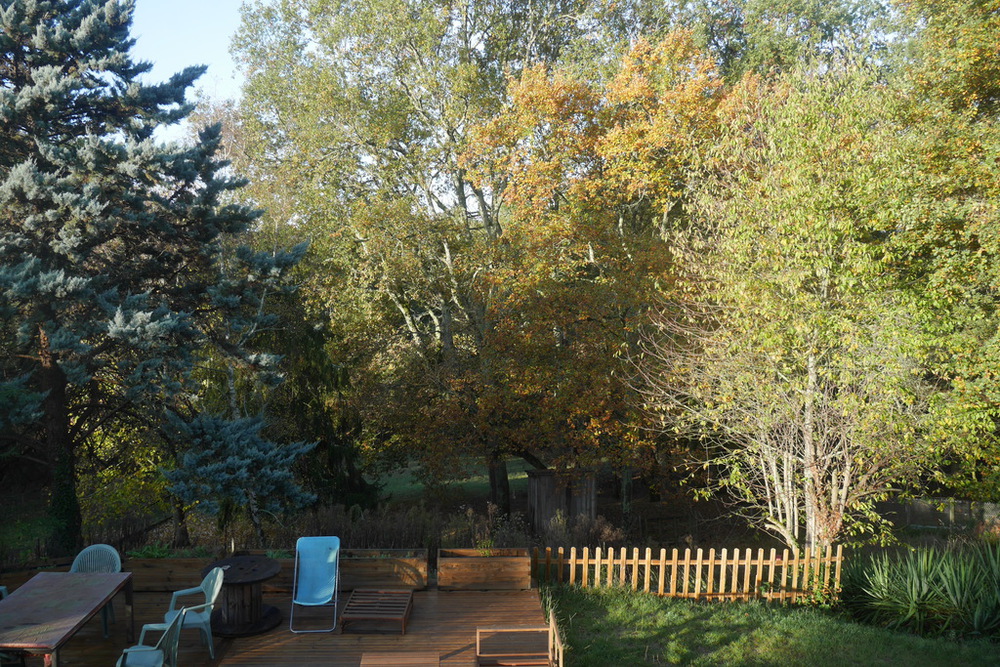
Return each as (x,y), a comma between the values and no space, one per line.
(405,485)
(614,627)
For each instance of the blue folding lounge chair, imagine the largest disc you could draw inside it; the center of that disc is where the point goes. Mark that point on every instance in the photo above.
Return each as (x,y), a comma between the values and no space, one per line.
(317,575)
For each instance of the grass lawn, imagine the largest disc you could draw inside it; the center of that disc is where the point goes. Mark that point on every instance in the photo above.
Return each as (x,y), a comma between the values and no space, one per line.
(404,486)
(615,627)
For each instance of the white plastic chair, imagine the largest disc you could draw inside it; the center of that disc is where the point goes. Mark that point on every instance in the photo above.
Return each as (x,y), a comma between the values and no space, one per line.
(161,654)
(99,558)
(317,575)
(199,616)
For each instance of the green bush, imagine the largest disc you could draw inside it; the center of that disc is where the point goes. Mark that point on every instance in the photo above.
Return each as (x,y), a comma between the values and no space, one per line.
(929,591)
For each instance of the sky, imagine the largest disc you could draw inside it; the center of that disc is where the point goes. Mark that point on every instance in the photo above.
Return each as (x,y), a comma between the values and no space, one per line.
(174,34)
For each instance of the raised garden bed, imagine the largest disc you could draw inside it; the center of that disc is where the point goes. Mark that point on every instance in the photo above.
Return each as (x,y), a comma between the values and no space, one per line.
(165,574)
(383,568)
(483,569)
(359,568)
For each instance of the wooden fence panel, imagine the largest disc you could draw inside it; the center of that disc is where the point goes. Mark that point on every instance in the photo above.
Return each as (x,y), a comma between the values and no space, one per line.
(719,574)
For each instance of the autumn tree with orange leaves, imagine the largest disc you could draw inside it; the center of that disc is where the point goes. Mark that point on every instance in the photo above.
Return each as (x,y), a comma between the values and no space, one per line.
(594,175)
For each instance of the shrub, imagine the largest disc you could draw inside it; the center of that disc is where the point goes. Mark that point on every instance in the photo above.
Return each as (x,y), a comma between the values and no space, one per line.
(929,591)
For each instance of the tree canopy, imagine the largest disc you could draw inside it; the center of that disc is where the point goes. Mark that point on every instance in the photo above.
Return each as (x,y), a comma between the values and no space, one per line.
(753,239)
(112,279)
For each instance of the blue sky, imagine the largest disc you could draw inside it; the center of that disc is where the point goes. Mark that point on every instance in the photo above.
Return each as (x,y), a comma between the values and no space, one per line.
(173,34)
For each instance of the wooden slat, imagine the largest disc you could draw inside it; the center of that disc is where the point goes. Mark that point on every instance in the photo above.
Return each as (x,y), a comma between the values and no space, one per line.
(378,605)
(398,659)
(740,574)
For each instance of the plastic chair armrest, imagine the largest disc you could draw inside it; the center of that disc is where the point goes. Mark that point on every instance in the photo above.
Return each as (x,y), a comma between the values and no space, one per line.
(199,607)
(153,627)
(139,649)
(178,594)
(136,649)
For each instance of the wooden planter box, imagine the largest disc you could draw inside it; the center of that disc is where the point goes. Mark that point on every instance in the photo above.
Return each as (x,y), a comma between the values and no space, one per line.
(359,568)
(365,568)
(383,568)
(478,570)
(165,574)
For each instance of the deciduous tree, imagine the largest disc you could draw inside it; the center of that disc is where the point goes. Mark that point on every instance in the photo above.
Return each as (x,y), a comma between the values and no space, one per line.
(357,114)
(797,357)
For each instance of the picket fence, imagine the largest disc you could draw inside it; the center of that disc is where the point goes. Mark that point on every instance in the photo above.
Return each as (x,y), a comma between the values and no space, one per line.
(705,575)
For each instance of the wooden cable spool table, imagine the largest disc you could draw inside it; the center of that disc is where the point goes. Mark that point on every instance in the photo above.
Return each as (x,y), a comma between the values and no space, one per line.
(240,610)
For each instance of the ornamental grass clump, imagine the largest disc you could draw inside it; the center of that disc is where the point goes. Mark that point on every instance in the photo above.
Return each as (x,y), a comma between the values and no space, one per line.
(951,591)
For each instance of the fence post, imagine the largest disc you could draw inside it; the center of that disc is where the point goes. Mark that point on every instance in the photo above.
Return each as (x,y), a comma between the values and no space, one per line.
(840,562)
(723,572)
(748,558)
(673,571)
(758,572)
(770,573)
(697,574)
(710,584)
(572,565)
(663,570)
(809,572)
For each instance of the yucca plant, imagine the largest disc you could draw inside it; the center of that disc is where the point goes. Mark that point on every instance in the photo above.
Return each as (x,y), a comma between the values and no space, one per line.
(929,591)
(961,581)
(985,619)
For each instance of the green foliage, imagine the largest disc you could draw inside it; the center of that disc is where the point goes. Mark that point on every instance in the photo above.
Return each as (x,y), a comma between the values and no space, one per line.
(791,349)
(155,550)
(929,591)
(362,130)
(946,245)
(162,550)
(228,467)
(958,52)
(118,265)
(764,36)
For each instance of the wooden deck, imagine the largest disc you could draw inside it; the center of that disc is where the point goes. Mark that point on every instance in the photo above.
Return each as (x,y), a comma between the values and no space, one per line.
(444,622)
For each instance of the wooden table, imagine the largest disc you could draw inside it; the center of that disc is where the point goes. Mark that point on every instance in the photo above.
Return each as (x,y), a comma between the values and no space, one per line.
(240,610)
(409,659)
(41,615)
(378,605)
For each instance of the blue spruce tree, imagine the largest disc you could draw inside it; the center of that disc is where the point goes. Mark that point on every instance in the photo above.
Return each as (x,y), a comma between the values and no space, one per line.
(116,251)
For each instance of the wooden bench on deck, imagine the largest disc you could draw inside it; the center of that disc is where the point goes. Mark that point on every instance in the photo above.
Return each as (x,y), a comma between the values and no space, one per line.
(377,605)
(512,646)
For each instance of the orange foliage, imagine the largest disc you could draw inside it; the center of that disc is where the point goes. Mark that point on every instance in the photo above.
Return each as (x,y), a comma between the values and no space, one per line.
(591,172)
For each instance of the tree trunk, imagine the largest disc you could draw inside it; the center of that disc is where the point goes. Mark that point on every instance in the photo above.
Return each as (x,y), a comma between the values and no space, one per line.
(627,494)
(258,526)
(499,483)
(182,538)
(809,463)
(65,506)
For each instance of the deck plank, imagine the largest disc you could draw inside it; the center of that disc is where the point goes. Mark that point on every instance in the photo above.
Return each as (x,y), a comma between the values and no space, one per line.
(441,621)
